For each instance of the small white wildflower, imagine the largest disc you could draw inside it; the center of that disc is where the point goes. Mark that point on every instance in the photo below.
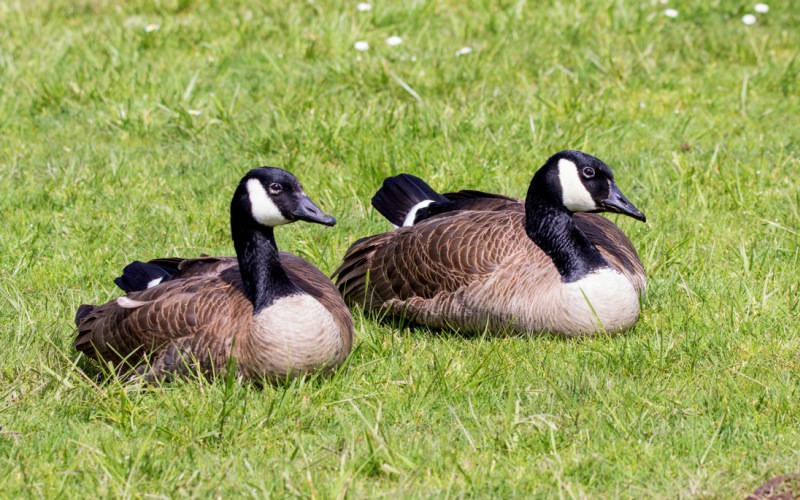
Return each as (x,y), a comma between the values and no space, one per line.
(361,46)
(413,58)
(671,13)
(761,8)
(363,7)
(749,19)
(193,112)
(151,27)
(394,40)
(464,51)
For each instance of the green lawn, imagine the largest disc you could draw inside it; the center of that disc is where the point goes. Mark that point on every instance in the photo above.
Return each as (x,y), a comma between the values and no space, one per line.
(104,160)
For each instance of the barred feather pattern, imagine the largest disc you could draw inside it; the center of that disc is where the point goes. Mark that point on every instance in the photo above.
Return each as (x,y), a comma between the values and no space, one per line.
(201,317)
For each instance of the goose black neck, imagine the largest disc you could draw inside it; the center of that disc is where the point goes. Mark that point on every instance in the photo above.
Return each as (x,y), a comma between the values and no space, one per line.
(264,278)
(551,226)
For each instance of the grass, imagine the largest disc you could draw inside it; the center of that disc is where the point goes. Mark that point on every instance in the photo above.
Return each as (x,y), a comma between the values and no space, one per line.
(101,163)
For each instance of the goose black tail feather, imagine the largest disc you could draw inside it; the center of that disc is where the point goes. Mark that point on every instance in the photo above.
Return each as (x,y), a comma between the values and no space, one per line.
(83,311)
(400,194)
(141,275)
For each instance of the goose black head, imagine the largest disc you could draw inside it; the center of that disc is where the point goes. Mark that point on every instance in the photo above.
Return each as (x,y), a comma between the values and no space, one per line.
(581,183)
(272,197)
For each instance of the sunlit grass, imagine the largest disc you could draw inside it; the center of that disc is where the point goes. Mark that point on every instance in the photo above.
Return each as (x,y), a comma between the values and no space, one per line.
(124,128)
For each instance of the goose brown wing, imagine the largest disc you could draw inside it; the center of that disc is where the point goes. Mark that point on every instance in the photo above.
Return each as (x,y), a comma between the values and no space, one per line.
(615,246)
(476,201)
(196,314)
(438,255)
(205,265)
(470,194)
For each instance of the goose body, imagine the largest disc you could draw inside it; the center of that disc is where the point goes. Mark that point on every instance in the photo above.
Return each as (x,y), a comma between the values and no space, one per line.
(482,262)
(272,311)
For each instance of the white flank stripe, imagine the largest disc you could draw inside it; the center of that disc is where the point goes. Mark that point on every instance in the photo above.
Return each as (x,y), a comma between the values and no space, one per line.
(573,193)
(129,303)
(152,283)
(412,214)
(262,207)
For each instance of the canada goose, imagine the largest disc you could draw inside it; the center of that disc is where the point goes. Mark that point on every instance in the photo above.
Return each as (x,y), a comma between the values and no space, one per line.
(477,261)
(275,313)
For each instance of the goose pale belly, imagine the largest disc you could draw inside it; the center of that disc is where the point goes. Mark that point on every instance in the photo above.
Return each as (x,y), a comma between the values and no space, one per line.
(528,303)
(296,334)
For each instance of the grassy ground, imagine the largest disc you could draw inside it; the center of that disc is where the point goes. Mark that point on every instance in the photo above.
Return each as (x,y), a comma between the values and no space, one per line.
(102,162)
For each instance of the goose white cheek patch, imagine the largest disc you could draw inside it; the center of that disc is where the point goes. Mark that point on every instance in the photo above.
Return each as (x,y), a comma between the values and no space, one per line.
(573,193)
(262,207)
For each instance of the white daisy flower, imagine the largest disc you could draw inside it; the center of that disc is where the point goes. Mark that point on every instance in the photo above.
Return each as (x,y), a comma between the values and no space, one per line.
(749,19)
(193,112)
(761,8)
(151,27)
(363,7)
(361,46)
(394,40)
(464,51)
(671,13)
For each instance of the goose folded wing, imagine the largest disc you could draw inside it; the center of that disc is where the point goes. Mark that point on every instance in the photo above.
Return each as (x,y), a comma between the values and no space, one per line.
(191,312)
(205,265)
(471,194)
(439,255)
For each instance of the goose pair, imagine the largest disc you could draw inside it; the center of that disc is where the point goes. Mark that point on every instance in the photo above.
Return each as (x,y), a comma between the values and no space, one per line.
(469,260)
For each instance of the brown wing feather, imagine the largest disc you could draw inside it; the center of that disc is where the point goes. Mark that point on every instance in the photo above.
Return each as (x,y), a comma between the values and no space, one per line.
(205,265)
(468,194)
(476,201)
(438,255)
(197,315)
(447,253)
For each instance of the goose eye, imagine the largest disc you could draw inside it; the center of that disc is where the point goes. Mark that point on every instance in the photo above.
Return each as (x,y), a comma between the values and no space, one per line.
(275,188)
(588,172)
